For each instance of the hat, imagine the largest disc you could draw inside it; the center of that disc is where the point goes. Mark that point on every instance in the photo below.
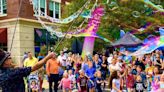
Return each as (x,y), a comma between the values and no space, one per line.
(3,56)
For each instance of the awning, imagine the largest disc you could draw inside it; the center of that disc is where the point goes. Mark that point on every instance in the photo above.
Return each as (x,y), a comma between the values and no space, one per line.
(3,35)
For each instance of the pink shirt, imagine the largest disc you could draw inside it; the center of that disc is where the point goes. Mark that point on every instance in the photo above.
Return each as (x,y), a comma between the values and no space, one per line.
(66,83)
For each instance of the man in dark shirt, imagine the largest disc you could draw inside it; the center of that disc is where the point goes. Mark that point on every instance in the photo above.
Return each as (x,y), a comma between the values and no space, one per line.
(11,79)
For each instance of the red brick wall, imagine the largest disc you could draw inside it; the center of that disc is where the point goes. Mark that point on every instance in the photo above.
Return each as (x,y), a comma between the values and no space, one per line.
(26,10)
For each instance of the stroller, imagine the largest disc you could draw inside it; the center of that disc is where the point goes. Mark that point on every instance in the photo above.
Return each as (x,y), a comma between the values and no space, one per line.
(33,83)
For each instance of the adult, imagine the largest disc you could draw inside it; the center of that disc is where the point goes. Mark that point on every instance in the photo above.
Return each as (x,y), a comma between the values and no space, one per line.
(30,61)
(97,62)
(24,58)
(11,78)
(140,62)
(62,59)
(52,69)
(104,69)
(114,66)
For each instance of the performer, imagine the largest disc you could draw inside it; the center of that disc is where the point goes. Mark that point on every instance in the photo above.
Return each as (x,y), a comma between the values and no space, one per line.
(11,78)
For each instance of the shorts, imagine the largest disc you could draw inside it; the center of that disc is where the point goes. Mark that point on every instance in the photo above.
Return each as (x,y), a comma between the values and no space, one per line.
(90,84)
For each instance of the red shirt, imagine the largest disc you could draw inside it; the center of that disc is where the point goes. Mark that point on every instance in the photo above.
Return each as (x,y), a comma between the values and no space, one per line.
(130,81)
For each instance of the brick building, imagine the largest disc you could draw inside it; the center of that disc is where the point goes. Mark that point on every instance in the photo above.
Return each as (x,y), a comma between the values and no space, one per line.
(24,38)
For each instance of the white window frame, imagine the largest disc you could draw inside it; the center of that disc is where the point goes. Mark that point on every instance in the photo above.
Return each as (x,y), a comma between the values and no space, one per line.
(1,11)
(39,13)
(54,14)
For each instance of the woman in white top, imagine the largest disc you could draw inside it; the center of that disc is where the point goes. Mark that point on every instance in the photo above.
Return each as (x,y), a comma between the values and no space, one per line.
(114,66)
(114,82)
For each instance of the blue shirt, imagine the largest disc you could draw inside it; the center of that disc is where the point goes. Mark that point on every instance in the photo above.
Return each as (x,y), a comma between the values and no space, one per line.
(90,72)
(11,80)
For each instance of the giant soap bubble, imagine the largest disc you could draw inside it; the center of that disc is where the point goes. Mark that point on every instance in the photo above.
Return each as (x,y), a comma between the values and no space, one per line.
(136,14)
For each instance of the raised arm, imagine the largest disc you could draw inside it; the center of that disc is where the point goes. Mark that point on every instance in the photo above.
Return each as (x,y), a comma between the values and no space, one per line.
(42,62)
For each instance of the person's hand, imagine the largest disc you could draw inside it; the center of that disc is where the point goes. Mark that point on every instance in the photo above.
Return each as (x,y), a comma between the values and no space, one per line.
(50,55)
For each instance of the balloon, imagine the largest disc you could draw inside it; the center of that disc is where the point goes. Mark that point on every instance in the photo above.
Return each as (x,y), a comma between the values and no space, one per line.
(136,14)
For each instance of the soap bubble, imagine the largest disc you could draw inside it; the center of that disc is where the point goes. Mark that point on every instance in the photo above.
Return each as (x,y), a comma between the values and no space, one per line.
(160,6)
(113,4)
(136,14)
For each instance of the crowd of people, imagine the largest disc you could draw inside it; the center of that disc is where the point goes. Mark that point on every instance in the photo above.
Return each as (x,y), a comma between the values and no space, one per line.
(94,73)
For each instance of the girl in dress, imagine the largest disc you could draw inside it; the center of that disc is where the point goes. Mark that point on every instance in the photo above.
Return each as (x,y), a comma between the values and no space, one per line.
(65,83)
(156,78)
(161,83)
(129,80)
(115,82)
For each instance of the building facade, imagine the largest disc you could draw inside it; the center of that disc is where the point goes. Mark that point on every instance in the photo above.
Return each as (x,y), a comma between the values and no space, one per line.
(18,16)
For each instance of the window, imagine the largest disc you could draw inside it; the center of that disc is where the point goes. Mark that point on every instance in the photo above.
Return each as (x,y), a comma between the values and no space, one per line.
(40,6)
(3,7)
(54,9)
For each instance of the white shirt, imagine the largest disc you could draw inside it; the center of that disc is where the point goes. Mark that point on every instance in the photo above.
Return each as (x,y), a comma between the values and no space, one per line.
(119,65)
(62,60)
(113,67)
(117,83)
(72,77)
(109,60)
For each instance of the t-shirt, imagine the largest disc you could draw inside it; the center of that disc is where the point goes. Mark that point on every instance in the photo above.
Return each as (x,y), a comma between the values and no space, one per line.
(98,65)
(62,60)
(109,60)
(104,68)
(139,87)
(98,84)
(130,81)
(117,83)
(83,82)
(113,67)
(66,83)
(90,73)
(52,66)
(85,66)
(30,62)
(12,79)
(72,78)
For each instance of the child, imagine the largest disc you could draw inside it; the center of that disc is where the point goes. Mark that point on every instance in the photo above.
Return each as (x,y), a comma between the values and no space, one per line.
(72,78)
(65,83)
(161,83)
(81,82)
(141,73)
(139,85)
(114,82)
(34,87)
(129,80)
(99,81)
(156,78)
